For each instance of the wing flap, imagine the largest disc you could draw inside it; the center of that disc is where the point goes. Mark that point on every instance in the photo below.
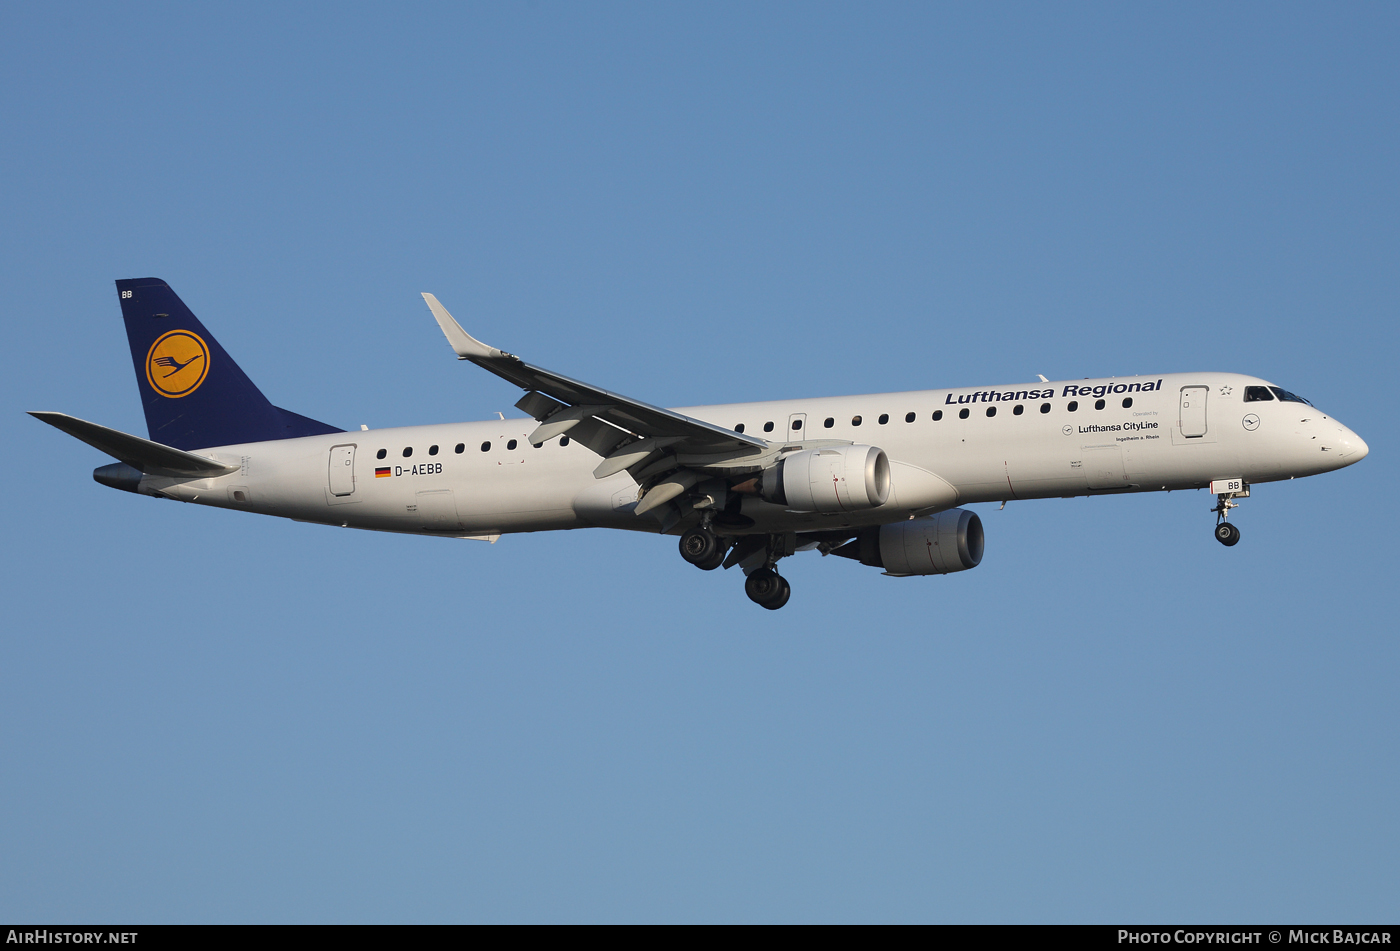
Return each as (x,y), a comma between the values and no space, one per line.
(599,436)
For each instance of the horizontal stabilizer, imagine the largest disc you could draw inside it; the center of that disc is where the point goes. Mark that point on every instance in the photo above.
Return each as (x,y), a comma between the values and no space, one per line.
(150,457)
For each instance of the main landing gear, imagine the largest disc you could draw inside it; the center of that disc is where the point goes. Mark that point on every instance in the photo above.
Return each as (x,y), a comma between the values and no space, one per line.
(756,554)
(766,588)
(702,548)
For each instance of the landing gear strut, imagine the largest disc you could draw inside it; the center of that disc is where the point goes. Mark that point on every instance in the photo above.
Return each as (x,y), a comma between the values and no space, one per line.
(766,588)
(702,549)
(1225,533)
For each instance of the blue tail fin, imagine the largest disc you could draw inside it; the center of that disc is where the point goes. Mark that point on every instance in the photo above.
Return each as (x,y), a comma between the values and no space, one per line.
(194,395)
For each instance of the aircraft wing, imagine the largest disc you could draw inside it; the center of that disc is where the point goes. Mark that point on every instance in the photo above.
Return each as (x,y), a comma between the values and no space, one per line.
(150,457)
(626,432)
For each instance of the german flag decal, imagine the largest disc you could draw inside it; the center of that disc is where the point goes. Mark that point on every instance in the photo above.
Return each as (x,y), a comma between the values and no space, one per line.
(383,472)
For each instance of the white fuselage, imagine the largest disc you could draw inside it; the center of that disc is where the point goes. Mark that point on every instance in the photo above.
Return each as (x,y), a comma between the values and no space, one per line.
(1181,431)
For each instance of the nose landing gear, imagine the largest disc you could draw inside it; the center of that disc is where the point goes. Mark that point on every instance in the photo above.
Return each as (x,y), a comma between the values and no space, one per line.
(1226,490)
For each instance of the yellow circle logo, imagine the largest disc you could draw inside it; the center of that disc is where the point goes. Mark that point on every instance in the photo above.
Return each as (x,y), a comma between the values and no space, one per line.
(177,364)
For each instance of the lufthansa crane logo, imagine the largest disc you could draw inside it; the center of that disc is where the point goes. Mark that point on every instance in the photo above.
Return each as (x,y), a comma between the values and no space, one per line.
(177,363)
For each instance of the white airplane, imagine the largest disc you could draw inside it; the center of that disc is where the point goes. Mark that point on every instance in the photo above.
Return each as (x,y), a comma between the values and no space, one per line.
(874,478)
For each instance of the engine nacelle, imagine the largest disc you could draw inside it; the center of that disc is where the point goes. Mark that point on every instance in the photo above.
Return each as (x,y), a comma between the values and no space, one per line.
(932,545)
(835,479)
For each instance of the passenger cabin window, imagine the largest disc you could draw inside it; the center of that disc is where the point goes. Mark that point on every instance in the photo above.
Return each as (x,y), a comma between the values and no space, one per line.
(1072,405)
(460,448)
(768,426)
(1099,404)
(1045,407)
(384,452)
(937,415)
(855,420)
(1018,410)
(884,418)
(796,425)
(486,446)
(828,422)
(738,427)
(512,444)
(432,450)
(407,451)
(963,413)
(1127,402)
(1286,396)
(908,417)
(564,441)
(991,411)
(1258,394)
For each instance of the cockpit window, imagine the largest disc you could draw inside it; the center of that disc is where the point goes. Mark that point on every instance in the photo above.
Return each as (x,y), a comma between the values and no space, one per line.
(1258,394)
(1286,396)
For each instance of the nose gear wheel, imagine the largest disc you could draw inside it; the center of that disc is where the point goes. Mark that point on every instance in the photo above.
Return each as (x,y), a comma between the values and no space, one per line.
(1227,534)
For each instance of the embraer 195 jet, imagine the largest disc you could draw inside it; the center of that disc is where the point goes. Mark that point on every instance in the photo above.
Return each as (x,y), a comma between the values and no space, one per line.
(876,478)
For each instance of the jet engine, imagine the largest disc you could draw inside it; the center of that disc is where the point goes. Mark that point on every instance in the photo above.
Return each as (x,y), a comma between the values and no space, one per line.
(835,479)
(932,545)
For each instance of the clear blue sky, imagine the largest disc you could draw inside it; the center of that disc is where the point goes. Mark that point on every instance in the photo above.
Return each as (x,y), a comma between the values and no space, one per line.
(208,716)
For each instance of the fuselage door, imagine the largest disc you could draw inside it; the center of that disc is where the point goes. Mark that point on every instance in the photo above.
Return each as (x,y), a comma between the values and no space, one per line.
(342,470)
(797,427)
(1193,411)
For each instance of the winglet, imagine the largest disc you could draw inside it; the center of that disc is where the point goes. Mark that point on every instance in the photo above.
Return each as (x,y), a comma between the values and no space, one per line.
(465,345)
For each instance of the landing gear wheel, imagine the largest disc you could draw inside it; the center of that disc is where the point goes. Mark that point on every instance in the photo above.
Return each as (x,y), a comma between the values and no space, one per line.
(1227,534)
(702,549)
(766,588)
(782,599)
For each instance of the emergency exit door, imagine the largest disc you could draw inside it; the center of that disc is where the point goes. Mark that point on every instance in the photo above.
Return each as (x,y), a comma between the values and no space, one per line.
(1193,411)
(797,427)
(342,470)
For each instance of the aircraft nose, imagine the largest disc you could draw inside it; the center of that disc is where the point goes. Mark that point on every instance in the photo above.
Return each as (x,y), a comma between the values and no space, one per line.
(1354,448)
